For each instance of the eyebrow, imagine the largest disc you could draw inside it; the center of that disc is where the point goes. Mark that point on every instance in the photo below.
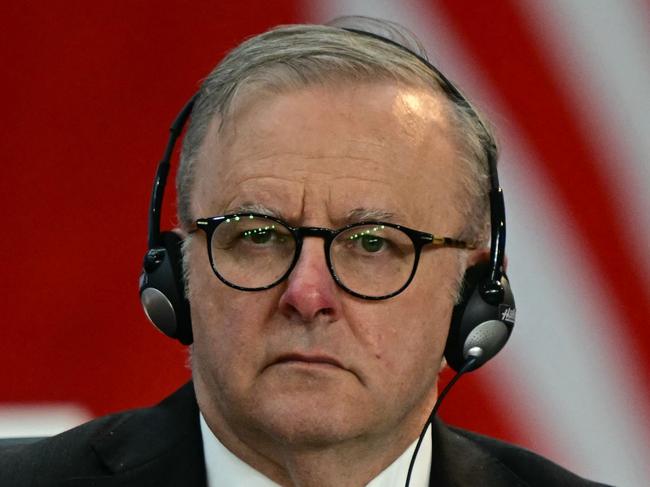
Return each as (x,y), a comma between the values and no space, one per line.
(254,208)
(369,214)
(353,216)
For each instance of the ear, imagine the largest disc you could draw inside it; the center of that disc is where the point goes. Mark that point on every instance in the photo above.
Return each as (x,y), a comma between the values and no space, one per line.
(443,365)
(481,255)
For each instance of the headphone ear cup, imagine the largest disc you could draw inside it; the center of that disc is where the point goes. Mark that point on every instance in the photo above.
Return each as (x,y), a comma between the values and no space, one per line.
(479,328)
(162,289)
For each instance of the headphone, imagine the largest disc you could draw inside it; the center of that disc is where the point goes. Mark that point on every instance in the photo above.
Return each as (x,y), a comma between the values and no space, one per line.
(481,322)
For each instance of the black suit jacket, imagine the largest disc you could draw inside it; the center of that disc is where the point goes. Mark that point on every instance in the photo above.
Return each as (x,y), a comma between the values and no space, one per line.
(161,446)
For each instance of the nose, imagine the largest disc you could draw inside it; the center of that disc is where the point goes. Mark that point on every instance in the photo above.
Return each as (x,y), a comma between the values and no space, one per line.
(311,292)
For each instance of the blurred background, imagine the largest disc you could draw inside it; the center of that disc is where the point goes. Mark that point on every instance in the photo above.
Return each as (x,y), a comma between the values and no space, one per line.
(90,88)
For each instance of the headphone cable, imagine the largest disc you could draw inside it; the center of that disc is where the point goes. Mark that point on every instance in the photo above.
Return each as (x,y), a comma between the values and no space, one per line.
(466,367)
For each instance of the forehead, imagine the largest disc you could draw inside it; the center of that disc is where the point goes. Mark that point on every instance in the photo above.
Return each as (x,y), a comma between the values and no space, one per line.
(324,151)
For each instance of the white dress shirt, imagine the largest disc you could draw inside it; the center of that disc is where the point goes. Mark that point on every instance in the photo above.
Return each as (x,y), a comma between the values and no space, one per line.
(225,469)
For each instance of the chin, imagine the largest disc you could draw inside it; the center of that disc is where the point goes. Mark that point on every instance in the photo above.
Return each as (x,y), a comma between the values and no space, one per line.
(313,420)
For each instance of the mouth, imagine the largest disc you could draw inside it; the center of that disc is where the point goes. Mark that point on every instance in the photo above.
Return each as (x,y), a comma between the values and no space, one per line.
(313,360)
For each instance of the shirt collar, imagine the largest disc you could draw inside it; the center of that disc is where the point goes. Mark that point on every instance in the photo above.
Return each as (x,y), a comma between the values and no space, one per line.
(224,468)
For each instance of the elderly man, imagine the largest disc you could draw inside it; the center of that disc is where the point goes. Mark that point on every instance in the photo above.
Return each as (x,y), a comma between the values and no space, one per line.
(333,190)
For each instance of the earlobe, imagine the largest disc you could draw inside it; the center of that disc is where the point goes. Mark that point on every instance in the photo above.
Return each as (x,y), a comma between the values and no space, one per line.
(443,365)
(182,234)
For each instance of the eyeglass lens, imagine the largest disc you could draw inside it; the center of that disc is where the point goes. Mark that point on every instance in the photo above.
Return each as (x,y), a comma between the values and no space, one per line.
(373,260)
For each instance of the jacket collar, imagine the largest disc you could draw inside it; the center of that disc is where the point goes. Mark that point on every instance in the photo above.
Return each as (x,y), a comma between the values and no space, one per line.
(152,447)
(458,461)
(163,446)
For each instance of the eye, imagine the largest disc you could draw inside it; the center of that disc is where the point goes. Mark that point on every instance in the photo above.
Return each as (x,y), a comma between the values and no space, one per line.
(258,235)
(372,243)
(365,240)
(264,235)
(248,233)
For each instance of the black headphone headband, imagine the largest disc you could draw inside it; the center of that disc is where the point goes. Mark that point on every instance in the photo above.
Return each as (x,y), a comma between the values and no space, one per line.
(160,181)
(481,323)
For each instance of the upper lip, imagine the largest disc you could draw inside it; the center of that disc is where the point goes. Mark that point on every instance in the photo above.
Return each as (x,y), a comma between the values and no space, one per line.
(308,357)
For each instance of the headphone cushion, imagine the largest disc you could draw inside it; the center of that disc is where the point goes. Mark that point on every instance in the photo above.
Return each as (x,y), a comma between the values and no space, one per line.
(476,323)
(162,289)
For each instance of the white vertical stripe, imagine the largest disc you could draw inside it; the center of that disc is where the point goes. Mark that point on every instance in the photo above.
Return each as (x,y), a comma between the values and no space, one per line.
(601,49)
(564,376)
(567,362)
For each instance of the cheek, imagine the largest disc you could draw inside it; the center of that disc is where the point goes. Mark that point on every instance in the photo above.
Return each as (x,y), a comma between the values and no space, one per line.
(404,335)
(226,323)
(412,328)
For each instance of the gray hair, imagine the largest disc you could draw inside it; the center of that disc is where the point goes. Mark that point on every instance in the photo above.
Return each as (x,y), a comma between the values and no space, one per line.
(295,56)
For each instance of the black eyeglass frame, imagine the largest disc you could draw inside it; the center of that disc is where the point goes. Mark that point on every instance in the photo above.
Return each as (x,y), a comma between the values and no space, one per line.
(418,238)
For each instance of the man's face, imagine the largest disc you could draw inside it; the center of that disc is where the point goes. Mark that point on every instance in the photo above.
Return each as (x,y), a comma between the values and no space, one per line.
(305,363)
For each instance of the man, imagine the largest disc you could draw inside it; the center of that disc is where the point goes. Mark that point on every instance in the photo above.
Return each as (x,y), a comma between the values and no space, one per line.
(315,352)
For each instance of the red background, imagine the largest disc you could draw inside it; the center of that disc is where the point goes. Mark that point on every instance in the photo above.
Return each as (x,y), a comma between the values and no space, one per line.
(88,92)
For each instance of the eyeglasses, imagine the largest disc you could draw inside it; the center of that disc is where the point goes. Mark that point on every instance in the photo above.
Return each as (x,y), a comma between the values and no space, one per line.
(370,260)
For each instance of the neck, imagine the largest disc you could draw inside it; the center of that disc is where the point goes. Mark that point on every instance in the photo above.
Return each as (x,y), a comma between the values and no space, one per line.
(352,462)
